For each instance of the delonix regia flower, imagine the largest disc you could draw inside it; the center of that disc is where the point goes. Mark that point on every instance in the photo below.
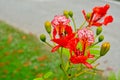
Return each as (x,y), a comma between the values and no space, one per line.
(80,58)
(86,35)
(79,43)
(62,42)
(86,38)
(98,13)
(62,32)
(60,22)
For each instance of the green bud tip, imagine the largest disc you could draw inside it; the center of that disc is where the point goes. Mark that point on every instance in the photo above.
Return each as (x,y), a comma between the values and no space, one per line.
(101,38)
(47,25)
(105,47)
(70,14)
(99,30)
(43,37)
(65,13)
(88,15)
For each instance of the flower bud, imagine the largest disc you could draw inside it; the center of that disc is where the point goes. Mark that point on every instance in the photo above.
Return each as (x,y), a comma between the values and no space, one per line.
(70,14)
(43,37)
(104,48)
(99,30)
(48,26)
(101,38)
(88,15)
(65,13)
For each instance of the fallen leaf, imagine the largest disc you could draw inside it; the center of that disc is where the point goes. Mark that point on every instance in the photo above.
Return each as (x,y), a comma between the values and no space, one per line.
(7,63)
(20,51)
(39,75)
(42,65)
(1,47)
(5,71)
(26,64)
(2,64)
(24,37)
(36,48)
(3,76)
(55,78)
(7,53)
(42,58)
(36,67)
(10,38)
(86,77)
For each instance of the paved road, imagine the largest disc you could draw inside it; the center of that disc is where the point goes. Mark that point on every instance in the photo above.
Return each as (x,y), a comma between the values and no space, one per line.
(29,15)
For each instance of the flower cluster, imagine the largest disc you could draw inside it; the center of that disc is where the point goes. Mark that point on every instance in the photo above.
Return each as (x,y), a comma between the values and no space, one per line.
(97,14)
(78,41)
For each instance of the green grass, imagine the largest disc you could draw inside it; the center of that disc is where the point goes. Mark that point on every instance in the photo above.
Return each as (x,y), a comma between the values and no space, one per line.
(23,57)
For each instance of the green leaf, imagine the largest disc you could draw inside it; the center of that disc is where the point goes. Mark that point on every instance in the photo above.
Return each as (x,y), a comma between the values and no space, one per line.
(48,74)
(95,47)
(38,79)
(66,52)
(95,52)
(112,76)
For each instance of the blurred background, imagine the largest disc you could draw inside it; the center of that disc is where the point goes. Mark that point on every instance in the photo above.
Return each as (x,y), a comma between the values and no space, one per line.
(24,57)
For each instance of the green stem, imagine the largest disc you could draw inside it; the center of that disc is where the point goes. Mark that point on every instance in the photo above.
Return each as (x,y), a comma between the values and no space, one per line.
(95,59)
(93,45)
(50,36)
(74,23)
(81,66)
(62,62)
(96,36)
(78,74)
(49,44)
(82,24)
(61,57)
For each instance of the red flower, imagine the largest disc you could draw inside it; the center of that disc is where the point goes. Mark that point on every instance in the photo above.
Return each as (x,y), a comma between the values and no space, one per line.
(108,19)
(101,10)
(78,58)
(62,32)
(86,38)
(97,14)
(59,23)
(72,45)
(62,42)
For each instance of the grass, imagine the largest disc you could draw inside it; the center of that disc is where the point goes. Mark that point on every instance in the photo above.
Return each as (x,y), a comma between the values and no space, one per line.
(22,56)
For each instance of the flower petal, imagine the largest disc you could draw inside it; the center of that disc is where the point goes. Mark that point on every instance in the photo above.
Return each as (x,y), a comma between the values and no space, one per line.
(55,48)
(54,33)
(87,65)
(108,19)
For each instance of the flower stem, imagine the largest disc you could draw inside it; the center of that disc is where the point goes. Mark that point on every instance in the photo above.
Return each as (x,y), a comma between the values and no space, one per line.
(61,57)
(50,36)
(62,62)
(78,74)
(95,59)
(49,44)
(93,45)
(74,23)
(82,24)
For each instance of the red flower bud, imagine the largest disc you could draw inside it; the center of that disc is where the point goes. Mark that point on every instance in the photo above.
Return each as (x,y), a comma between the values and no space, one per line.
(108,19)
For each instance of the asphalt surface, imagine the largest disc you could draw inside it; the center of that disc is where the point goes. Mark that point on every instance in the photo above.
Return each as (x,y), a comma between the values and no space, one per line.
(29,16)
